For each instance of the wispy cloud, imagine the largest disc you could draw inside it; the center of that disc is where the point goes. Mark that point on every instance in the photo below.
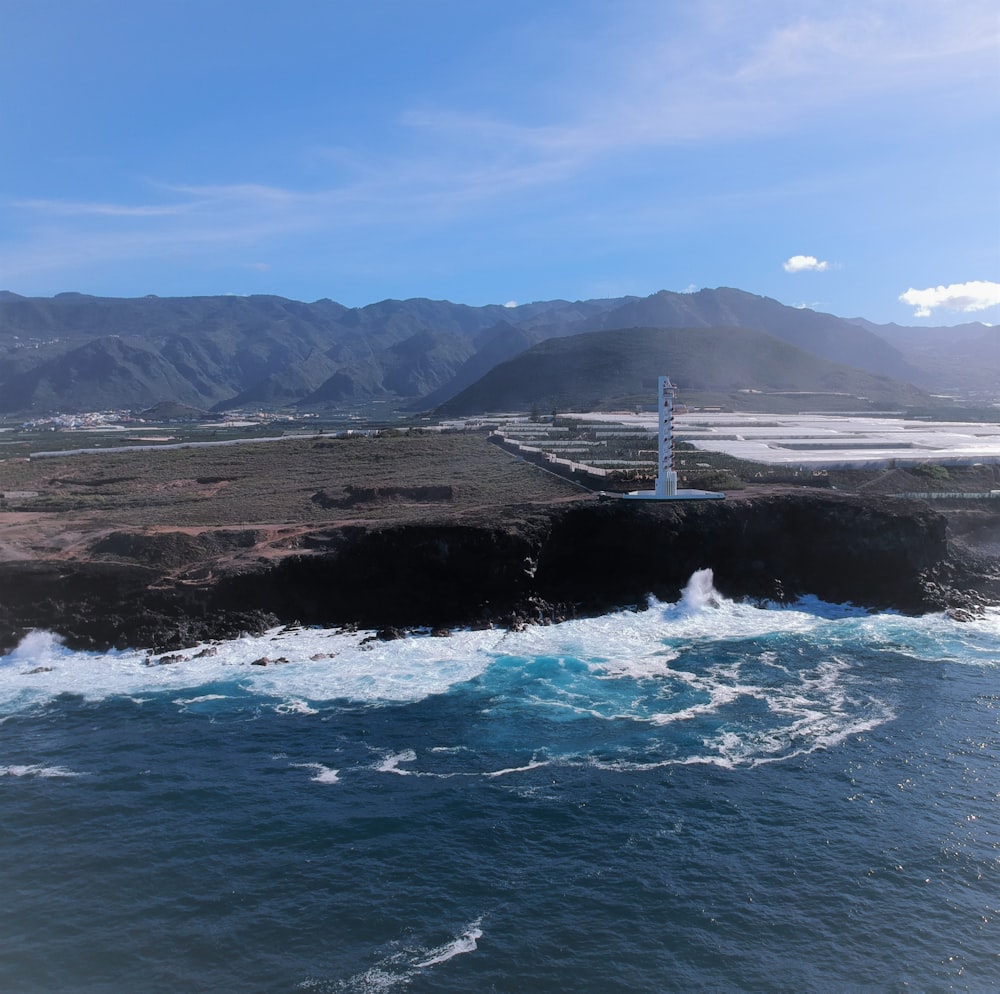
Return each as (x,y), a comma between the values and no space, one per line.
(661,79)
(805,264)
(977,295)
(67,208)
(725,71)
(661,82)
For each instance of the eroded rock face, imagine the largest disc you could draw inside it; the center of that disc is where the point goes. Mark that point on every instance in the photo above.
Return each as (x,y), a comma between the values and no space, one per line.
(834,547)
(584,557)
(99,605)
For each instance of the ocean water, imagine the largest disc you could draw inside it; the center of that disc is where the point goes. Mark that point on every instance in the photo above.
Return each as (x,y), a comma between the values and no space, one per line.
(704,796)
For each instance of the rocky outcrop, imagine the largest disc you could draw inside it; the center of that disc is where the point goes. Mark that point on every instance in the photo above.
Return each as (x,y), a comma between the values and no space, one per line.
(578,558)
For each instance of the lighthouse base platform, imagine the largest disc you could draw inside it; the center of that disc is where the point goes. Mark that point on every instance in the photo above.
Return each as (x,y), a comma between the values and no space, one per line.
(677,495)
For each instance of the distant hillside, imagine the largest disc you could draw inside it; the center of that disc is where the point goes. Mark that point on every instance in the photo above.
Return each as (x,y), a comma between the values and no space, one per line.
(494,346)
(821,334)
(614,368)
(963,360)
(75,352)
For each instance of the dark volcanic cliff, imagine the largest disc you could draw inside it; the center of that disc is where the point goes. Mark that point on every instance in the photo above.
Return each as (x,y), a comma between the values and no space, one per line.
(583,557)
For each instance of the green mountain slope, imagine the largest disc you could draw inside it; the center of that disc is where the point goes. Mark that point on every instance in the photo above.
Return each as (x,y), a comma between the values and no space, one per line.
(610,368)
(821,334)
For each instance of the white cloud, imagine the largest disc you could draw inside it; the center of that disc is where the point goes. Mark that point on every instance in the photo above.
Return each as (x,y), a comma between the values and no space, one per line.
(511,303)
(805,264)
(976,295)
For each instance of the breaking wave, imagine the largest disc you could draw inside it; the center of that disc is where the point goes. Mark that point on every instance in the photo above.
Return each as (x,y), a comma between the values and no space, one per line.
(704,679)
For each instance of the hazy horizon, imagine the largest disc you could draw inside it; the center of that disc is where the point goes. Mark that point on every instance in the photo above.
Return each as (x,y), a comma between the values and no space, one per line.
(970,319)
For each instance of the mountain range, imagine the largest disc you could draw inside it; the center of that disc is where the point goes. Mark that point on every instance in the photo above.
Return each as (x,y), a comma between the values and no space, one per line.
(75,352)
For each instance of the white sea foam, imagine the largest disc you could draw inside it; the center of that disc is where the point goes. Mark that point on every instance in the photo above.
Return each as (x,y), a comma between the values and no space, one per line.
(464,943)
(751,684)
(533,765)
(396,970)
(700,591)
(201,699)
(637,667)
(296,668)
(376,980)
(390,763)
(324,774)
(36,649)
(38,770)
(719,695)
(295,706)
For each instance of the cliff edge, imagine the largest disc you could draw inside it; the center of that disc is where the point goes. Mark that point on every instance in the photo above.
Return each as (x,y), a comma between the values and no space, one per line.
(167,588)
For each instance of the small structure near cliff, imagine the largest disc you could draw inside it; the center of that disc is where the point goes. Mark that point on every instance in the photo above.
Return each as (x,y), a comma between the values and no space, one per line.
(666,476)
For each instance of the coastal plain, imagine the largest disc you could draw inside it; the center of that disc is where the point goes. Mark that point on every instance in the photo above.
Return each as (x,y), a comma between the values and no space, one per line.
(291,481)
(179,519)
(168,547)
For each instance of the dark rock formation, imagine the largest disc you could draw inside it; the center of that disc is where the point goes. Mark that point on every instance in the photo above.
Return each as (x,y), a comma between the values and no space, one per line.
(99,605)
(578,558)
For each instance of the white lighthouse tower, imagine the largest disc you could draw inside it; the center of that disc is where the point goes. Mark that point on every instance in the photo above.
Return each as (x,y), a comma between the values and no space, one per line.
(666,476)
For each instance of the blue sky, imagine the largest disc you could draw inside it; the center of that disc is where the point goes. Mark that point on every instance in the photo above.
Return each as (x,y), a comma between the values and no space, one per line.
(837,155)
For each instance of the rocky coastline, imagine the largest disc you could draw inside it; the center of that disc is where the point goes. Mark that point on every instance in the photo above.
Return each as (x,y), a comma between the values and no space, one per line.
(162,589)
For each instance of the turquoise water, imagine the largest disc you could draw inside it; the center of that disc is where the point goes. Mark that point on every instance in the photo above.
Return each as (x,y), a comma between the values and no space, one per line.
(703,796)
